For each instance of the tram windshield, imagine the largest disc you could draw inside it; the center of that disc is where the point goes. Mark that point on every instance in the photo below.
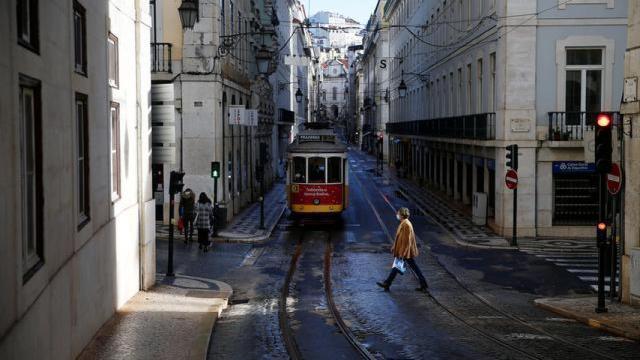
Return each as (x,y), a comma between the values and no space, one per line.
(317,170)
(299,170)
(335,164)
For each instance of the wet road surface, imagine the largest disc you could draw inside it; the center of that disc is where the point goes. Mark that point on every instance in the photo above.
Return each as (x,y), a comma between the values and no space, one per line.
(479,307)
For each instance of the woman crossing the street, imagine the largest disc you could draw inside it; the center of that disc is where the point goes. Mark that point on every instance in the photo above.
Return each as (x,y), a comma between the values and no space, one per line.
(404,250)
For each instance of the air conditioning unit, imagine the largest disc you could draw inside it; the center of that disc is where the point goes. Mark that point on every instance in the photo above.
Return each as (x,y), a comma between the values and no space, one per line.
(479,208)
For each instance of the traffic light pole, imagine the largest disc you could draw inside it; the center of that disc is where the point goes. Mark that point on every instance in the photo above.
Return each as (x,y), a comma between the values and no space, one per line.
(216,221)
(514,236)
(170,259)
(262,199)
(601,308)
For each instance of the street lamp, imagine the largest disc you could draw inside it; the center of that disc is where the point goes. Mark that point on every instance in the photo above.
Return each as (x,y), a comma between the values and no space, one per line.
(188,12)
(263,58)
(402,89)
(299,96)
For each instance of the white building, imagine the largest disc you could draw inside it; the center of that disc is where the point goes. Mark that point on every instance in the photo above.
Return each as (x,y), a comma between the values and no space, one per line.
(199,75)
(630,277)
(482,75)
(332,30)
(79,240)
(334,89)
(294,74)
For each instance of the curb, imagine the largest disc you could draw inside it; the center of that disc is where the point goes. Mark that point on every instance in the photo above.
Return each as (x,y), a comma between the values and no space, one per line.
(252,239)
(453,235)
(592,322)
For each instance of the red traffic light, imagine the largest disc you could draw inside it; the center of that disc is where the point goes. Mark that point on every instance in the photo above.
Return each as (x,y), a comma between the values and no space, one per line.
(602,226)
(604,120)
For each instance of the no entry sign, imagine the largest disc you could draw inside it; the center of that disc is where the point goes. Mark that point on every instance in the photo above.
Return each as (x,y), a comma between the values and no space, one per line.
(511,179)
(614,179)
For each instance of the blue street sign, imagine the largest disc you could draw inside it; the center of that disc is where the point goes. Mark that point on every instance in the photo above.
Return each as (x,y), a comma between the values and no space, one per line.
(573,167)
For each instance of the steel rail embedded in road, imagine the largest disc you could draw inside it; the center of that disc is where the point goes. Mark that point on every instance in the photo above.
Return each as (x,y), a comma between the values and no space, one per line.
(474,294)
(287,334)
(285,328)
(344,329)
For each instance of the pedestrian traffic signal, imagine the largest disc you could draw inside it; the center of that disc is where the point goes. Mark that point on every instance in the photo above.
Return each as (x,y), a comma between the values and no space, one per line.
(215,169)
(601,234)
(604,126)
(512,156)
(175,182)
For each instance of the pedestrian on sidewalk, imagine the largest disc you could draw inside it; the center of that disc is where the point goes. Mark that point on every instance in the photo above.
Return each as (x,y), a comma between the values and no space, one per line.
(404,250)
(186,209)
(204,214)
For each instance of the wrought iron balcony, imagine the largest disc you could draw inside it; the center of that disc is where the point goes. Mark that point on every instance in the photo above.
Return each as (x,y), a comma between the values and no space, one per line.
(571,126)
(476,127)
(161,57)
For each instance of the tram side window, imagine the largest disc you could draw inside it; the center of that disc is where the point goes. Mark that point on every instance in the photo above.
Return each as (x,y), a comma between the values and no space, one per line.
(299,170)
(316,170)
(334,170)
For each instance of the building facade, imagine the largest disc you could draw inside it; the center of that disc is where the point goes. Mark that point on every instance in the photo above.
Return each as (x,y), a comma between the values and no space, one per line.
(293,79)
(80,238)
(200,76)
(482,75)
(630,231)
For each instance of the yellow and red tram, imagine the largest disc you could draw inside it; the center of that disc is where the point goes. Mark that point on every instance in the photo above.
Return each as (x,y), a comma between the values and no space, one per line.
(317,172)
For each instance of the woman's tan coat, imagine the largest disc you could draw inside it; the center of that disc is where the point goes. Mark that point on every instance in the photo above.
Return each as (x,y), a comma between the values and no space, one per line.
(405,244)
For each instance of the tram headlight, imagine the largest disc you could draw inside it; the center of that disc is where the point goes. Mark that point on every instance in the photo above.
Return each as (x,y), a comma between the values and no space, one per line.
(316,201)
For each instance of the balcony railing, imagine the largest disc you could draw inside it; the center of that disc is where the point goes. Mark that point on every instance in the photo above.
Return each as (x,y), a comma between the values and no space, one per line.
(161,57)
(571,126)
(476,127)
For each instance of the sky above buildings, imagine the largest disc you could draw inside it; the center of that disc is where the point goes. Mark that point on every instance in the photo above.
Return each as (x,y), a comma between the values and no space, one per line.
(359,10)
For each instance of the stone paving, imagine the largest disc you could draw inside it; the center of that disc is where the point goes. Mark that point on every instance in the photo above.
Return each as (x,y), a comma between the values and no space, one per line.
(246,225)
(171,321)
(622,320)
(440,209)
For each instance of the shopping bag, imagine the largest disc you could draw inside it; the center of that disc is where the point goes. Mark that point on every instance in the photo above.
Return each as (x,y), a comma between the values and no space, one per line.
(180,225)
(398,263)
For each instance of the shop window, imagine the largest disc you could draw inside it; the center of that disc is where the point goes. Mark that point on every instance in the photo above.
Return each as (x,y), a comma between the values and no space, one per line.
(575,198)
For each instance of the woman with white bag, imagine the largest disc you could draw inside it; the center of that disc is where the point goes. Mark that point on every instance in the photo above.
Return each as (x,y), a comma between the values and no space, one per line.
(404,250)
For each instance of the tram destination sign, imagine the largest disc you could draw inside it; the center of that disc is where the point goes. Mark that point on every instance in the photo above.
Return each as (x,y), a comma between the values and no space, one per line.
(316,138)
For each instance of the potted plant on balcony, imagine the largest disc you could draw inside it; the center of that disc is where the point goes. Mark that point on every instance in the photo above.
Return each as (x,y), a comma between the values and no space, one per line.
(556,135)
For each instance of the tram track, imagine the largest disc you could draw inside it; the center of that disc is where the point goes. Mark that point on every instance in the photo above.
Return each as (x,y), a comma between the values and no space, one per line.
(461,318)
(288,335)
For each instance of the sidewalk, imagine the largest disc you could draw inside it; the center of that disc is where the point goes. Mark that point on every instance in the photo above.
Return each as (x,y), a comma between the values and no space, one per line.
(465,232)
(621,320)
(245,227)
(173,320)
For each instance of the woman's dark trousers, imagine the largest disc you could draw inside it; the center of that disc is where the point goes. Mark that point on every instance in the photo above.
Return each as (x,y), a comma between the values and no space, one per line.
(203,237)
(414,267)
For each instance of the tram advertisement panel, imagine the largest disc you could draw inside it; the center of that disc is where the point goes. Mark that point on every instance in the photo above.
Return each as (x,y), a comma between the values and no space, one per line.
(311,194)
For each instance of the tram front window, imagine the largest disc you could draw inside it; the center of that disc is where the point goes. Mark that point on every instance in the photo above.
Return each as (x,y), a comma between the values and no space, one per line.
(299,170)
(316,170)
(335,163)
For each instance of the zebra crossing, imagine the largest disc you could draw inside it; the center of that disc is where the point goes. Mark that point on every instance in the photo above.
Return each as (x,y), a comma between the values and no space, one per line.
(577,256)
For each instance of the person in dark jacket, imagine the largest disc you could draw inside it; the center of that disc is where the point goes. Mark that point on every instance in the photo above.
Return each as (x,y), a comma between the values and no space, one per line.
(204,220)
(187,210)
(405,248)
